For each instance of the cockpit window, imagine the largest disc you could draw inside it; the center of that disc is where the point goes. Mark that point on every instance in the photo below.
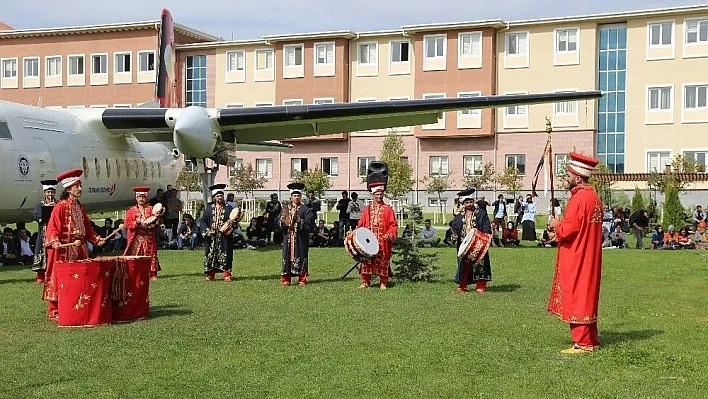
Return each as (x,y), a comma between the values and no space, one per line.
(4,131)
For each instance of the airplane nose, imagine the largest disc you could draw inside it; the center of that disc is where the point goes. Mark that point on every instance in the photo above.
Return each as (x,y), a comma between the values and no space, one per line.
(194,134)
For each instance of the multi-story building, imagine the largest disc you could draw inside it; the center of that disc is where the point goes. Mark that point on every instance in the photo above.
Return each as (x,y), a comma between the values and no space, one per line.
(650,64)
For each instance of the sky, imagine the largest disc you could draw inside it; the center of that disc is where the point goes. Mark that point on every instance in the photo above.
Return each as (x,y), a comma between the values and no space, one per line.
(230,19)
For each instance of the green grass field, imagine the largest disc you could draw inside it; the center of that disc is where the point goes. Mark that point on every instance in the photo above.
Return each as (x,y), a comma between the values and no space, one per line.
(254,338)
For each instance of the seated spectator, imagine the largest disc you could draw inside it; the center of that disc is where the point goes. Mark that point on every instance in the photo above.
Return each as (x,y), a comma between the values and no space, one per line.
(334,234)
(510,236)
(427,234)
(548,238)
(256,234)
(619,237)
(671,238)
(163,239)
(449,236)
(657,238)
(240,239)
(188,231)
(9,248)
(25,248)
(320,238)
(684,239)
(496,240)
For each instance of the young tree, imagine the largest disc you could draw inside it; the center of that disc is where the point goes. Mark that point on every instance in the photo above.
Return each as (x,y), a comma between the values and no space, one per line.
(412,264)
(673,212)
(482,181)
(603,189)
(188,181)
(637,200)
(313,179)
(400,170)
(510,180)
(437,184)
(246,180)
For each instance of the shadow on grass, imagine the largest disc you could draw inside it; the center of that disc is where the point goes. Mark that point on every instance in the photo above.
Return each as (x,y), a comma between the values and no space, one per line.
(609,338)
(17,281)
(168,311)
(503,287)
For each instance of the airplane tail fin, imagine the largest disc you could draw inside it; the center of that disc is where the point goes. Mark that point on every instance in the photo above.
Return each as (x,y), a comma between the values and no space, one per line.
(165,84)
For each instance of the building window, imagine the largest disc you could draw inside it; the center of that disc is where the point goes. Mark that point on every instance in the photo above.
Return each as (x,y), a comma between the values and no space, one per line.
(323,101)
(517,161)
(146,61)
(324,54)
(196,82)
(234,105)
(293,55)
(696,96)
(517,44)
(612,78)
(566,40)
(264,167)
(363,164)
(76,65)
(516,110)
(437,202)
(469,112)
(31,69)
(263,104)
(565,107)
(696,31)
(53,66)
(439,166)
(9,68)
(297,165)
(560,164)
(293,102)
(235,61)
(659,98)
(699,157)
(470,44)
(657,161)
(123,63)
(99,64)
(472,165)
(189,166)
(238,164)
(368,53)
(330,166)
(264,59)
(400,51)
(434,46)
(661,34)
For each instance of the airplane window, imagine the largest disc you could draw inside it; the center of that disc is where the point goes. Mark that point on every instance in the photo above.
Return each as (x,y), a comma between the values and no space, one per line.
(159,171)
(145,170)
(127,168)
(137,169)
(152,169)
(4,131)
(108,169)
(118,167)
(86,167)
(98,167)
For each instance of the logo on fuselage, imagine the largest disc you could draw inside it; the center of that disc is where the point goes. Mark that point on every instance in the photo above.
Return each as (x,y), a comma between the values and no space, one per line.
(23,167)
(110,190)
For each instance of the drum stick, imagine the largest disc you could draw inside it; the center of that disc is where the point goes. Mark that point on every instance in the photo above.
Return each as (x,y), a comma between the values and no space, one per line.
(120,227)
(71,244)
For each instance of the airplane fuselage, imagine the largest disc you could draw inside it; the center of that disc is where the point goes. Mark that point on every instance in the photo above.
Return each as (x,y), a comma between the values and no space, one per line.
(37,144)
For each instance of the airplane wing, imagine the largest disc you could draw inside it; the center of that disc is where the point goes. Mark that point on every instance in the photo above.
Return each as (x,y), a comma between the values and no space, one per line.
(202,132)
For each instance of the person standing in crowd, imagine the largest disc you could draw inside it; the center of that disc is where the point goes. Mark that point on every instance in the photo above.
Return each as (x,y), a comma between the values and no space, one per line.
(174,207)
(528,221)
(297,222)
(142,239)
(272,211)
(42,213)
(218,244)
(464,223)
(575,291)
(354,209)
(342,206)
(499,211)
(638,222)
(67,224)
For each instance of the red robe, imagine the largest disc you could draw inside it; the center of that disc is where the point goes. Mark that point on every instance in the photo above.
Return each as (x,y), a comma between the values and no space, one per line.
(142,240)
(380,219)
(576,283)
(68,223)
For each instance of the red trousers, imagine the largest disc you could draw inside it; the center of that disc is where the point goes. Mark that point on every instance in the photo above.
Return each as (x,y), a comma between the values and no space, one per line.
(366,279)
(584,334)
(479,284)
(285,278)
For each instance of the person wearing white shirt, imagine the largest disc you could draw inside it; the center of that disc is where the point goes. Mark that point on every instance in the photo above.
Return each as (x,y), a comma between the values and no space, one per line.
(354,209)
(528,221)
(428,235)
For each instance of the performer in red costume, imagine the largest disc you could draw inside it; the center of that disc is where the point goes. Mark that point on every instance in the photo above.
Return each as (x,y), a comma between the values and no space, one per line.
(576,283)
(380,219)
(142,238)
(67,224)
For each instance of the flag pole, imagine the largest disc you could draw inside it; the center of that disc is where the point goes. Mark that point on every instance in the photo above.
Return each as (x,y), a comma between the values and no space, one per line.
(549,130)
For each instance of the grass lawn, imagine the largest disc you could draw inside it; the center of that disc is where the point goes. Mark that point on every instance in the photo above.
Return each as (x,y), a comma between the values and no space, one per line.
(253,338)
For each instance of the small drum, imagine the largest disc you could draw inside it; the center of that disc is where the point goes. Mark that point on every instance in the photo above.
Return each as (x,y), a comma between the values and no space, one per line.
(474,246)
(133,272)
(84,292)
(361,244)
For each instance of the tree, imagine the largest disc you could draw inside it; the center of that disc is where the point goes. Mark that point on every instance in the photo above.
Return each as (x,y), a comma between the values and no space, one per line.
(680,164)
(313,179)
(400,170)
(412,264)
(603,189)
(673,212)
(637,200)
(480,182)
(188,181)
(437,184)
(246,180)
(510,180)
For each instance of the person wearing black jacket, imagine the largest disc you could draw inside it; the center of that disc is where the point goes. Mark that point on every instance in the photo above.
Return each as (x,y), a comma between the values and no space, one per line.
(638,221)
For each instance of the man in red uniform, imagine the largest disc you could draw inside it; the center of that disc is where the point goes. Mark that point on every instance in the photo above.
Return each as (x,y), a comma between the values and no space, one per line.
(142,240)
(68,223)
(380,219)
(575,292)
